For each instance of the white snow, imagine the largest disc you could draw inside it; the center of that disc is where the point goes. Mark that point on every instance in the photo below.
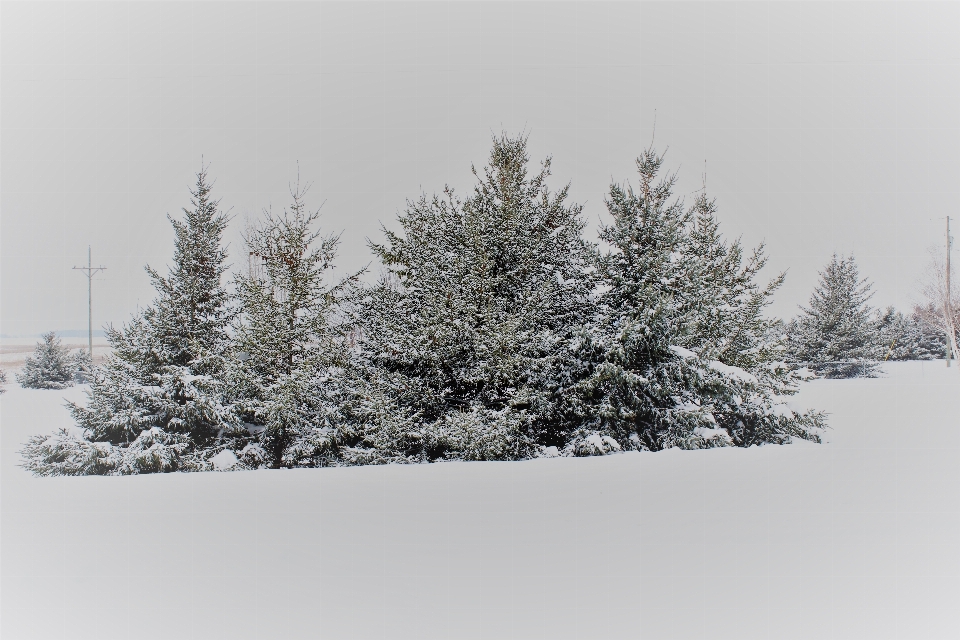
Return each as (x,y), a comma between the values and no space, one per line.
(224,460)
(254,429)
(682,352)
(732,372)
(602,444)
(854,538)
(711,433)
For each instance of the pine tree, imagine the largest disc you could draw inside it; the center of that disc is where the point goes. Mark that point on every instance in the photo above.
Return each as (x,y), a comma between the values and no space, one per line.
(82,365)
(50,367)
(286,388)
(903,337)
(466,343)
(722,304)
(720,300)
(635,384)
(166,374)
(3,380)
(684,356)
(835,336)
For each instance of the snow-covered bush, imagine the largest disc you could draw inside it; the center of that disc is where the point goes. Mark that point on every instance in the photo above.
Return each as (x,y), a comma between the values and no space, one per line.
(592,444)
(68,453)
(50,367)
(481,434)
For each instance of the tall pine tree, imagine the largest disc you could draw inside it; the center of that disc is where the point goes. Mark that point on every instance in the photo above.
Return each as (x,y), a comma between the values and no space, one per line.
(466,343)
(684,356)
(166,372)
(288,387)
(835,336)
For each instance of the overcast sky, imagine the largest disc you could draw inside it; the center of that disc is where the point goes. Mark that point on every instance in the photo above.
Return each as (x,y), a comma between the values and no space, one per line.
(822,127)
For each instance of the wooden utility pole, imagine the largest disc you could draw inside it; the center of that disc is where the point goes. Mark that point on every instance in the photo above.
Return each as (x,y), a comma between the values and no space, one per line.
(90,273)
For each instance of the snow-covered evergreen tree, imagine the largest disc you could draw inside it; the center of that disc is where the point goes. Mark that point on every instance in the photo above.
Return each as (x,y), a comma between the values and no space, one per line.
(496,332)
(467,342)
(50,367)
(288,387)
(3,380)
(719,298)
(162,389)
(836,336)
(928,320)
(82,364)
(903,337)
(685,357)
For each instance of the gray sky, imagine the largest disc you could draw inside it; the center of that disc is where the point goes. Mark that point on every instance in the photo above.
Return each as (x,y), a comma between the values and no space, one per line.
(824,126)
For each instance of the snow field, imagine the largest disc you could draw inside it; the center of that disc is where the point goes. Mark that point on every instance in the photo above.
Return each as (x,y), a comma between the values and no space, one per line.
(855,538)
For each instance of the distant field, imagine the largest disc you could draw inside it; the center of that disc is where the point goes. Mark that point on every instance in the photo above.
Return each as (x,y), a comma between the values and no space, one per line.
(14,351)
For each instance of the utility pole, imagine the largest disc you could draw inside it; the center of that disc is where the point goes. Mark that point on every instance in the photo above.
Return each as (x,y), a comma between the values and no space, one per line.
(90,273)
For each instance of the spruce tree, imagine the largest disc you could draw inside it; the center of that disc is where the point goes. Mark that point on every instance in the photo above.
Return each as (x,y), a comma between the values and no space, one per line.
(467,341)
(166,373)
(287,388)
(927,319)
(720,299)
(835,336)
(82,365)
(50,367)
(903,337)
(635,384)
(684,356)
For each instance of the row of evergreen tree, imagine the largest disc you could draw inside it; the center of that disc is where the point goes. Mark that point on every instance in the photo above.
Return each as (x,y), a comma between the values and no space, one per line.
(496,332)
(840,336)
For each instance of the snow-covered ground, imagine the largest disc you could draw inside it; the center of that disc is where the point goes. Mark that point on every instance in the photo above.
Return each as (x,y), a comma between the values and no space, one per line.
(856,538)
